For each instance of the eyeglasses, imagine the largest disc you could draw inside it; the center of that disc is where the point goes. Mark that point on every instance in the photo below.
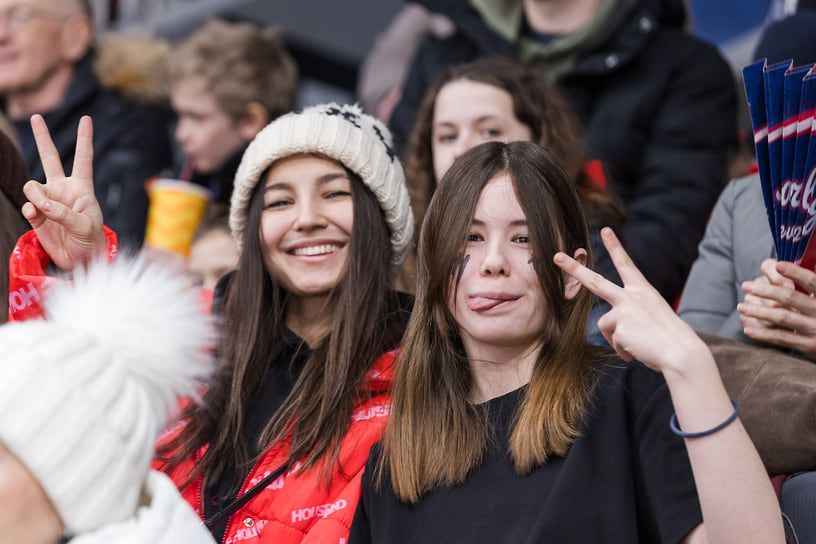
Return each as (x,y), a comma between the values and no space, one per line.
(19,15)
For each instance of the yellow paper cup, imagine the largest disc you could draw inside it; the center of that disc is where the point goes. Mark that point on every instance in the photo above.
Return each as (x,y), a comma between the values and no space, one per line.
(176,208)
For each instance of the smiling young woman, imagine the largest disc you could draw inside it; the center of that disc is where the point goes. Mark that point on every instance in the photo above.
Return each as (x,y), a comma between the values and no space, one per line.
(307,322)
(306,227)
(320,213)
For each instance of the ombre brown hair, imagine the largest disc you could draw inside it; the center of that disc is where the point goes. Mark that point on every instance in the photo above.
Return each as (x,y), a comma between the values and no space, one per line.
(315,415)
(435,435)
(539,106)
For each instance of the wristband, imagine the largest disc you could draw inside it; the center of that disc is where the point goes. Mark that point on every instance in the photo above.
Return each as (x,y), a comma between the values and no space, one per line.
(676,429)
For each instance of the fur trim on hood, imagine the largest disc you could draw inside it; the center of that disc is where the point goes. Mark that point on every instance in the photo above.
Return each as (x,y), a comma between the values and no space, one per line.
(135,66)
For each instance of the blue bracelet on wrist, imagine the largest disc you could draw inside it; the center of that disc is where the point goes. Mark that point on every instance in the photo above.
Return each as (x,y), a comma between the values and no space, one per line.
(676,429)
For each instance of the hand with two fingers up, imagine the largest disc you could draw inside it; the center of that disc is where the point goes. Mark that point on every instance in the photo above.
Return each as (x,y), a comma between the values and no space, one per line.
(775,312)
(737,500)
(63,211)
(641,324)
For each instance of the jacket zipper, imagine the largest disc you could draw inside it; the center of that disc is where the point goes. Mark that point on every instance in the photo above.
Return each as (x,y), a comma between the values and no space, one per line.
(241,490)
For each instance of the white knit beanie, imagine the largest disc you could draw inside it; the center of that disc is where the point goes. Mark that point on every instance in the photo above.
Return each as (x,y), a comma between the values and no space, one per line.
(85,392)
(346,134)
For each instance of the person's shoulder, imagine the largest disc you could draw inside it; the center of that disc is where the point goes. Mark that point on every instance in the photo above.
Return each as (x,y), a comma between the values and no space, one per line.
(119,124)
(632,379)
(677,46)
(623,395)
(435,54)
(791,37)
(743,185)
(107,104)
(115,106)
(743,193)
(138,134)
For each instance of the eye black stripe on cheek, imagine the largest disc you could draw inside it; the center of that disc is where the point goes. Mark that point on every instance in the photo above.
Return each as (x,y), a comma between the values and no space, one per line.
(464,264)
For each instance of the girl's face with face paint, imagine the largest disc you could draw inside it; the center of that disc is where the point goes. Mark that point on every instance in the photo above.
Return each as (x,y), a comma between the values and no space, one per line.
(499,302)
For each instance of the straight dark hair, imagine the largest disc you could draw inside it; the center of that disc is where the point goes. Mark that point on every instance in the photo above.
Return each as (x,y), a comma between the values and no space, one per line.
(315,415)
(435,435)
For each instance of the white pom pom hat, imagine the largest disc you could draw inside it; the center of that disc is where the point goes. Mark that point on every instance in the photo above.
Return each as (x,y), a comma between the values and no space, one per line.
(85,392)
(343,133)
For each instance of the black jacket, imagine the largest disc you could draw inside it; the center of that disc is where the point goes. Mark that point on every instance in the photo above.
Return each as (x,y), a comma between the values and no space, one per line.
(658,108)
(131,144)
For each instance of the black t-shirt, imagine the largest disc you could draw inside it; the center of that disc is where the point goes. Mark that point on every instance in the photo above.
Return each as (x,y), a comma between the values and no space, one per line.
(626,479)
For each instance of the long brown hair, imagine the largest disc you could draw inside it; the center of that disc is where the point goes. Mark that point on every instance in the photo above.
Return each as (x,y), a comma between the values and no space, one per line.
(435,435)
(316,414)
(537,104)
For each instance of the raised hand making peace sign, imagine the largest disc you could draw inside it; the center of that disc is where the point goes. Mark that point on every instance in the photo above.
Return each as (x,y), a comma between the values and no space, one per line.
(64,211)
(641,324)
(737,500)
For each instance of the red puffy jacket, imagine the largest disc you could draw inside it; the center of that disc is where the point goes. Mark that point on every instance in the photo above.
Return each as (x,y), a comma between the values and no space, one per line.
(28,277)
(297,507)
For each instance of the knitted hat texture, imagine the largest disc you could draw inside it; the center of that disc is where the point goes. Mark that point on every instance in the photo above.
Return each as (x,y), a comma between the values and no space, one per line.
(85,392)
(343,133)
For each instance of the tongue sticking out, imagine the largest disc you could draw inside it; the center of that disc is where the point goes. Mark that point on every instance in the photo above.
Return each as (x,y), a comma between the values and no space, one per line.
(484,303)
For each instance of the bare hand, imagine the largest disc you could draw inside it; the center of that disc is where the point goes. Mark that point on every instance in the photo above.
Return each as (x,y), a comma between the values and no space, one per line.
(776,313)
(641,324)
(64,211)
(769,277)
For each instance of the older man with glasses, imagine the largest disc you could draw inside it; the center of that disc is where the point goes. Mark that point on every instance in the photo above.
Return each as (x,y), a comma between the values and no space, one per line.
(46,66)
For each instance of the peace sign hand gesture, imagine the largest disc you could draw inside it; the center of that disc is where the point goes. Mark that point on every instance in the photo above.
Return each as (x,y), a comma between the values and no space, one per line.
(641,324)
(64,211)
(731,482)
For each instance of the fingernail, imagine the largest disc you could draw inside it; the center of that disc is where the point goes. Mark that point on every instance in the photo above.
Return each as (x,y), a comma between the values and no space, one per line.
(46,206)
(559,258)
